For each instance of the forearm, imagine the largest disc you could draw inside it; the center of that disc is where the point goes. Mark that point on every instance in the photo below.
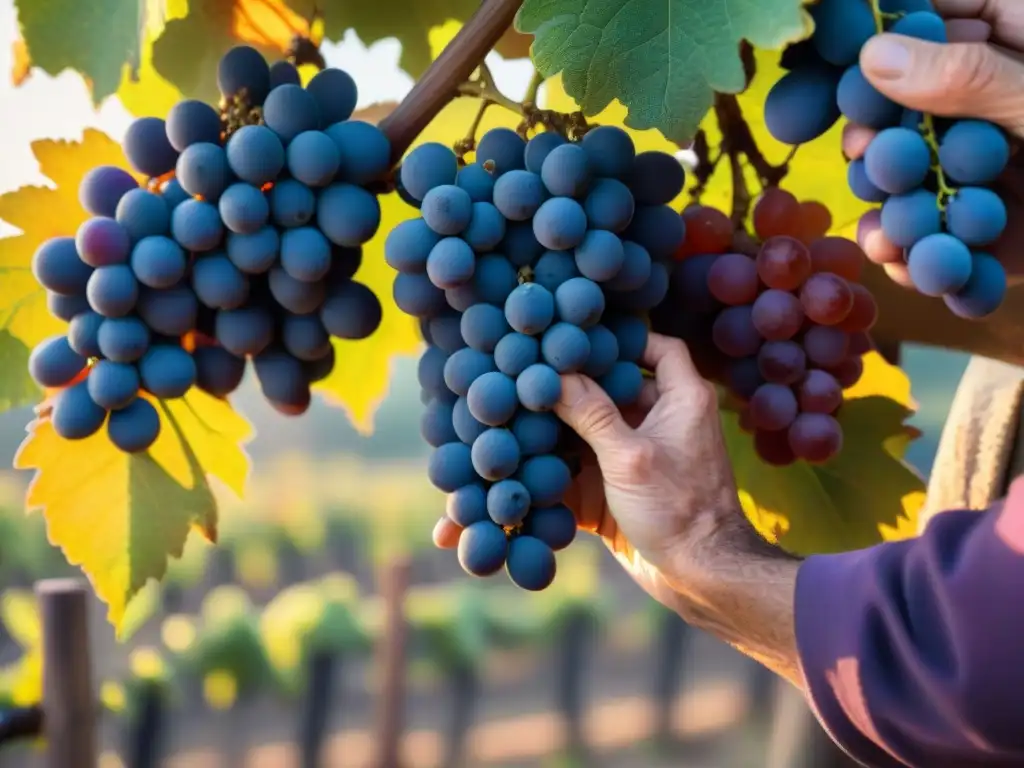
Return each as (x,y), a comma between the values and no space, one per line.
(741,589)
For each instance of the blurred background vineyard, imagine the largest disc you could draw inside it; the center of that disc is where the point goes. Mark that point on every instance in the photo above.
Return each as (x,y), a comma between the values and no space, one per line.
(232,640)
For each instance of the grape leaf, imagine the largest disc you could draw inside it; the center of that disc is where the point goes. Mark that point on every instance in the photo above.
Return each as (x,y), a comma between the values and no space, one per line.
(865,495)
(118,516)
(98,38)
(663,60)
(186,50)
(40,213)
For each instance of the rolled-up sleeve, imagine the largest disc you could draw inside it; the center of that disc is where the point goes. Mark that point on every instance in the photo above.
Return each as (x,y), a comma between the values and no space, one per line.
(913,651)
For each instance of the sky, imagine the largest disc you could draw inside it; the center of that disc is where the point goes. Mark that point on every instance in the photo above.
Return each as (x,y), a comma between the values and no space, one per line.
(61,107)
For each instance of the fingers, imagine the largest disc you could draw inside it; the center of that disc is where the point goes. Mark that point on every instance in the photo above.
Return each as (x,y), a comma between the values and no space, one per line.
(971,79)
(879,248)
(671,362)
(855,140)
(588,410)
(1004,17)
(446,533)
(968,31)
(900,274)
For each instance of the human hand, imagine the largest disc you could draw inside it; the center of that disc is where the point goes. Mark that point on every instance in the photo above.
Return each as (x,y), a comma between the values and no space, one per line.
(979,74)
(656,483)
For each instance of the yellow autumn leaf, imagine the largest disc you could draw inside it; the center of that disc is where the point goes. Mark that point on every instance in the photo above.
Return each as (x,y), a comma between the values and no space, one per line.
(118,516)
(41,213)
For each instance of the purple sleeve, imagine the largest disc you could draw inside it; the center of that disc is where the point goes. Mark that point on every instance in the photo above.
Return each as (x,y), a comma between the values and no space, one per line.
(911,650)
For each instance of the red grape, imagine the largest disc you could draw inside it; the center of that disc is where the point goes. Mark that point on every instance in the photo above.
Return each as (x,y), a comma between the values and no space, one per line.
(860,344)
(733,279)
(815,437)
(783,263)
(743,377)
(734,332)
(773,448)
(863,313)
(773,407)
(849,371)
(827,299)
(782,362)
(777,315)
(814,221)
(708,230)
(819,392)
(777,212)
(826,346)
(839,256)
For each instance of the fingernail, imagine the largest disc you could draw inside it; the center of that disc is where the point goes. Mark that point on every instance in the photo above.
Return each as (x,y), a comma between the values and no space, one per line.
(885,58)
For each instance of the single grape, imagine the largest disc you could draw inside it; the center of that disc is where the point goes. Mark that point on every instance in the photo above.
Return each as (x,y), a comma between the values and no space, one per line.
(849,371)
(815,437)
(860,343)
(348,215)
(158,262)
(102,188)
(146,147)
(319,369)
(430,371)
(416,295)
(555,267)
(503,149)
(610,151)
(546,478)
(313,158)
(982,294)
(451,263)
(243,73)
(135,427)
(112,291)
(773,447)
(351,311)
(478,181)
(290,110)
(446,332)
(864,312)
(814,222)
(565,347)
(244,331)
(733,279)
(819,392)
(566,171)
(304,337)
(776,214)
(167,371)
(58,268)
(655,178)
(197,226)
(243,208)
(977,216)
(560,224)
(861,185)
(530,309)
(539,387)
(282,73)
(409,244)
(609,205)
(495,455)
(839,256)
(897,160)
(305,254)
(83,333)
(782,362)
(218,372)
(494,279)
(520,244)
(508,501)
(282,380)
(427,166)
(579,301)
(466,427)
(203,171)
(783,263)
(861,103)
(518,195)
(539,147)
(482,549)
(555,526)
(436,424)
(939,264)
(801,106)
(536,432)
(734,332)
(483,326)
(364,151)
(743,376)
(604,351)
(909,218)
(123,339)
(141,213)
(515,353)
(974,152)
(255,154)
(218,283)
(53,363)
(467,505)
(635,270)
(841,27)
(464,367)
(447,209)
(773,407)
(292,203)
(623,383)
(708,230)
(530,563)
(486,228)
(335,94)
(826,298)
(826,346)
(173,193)
(659,229)
(66,308)
(171,312)
(924,25)
(75,416)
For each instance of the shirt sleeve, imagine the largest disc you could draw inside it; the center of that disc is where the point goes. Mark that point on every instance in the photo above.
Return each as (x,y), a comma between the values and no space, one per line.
(911,650)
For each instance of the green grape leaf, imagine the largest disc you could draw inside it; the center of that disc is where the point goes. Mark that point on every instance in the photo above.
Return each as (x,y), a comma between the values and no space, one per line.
(16,387)
(664,60)
(863,496)
(97,38)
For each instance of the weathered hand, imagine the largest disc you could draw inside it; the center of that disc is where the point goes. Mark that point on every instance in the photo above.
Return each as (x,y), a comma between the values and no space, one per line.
(979,74)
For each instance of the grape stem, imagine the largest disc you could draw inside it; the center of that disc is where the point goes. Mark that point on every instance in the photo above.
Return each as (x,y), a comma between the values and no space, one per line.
(882,16)
(945,192)
(454,66)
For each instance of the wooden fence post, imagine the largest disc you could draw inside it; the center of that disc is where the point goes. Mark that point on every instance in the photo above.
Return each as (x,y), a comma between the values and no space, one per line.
(69,700)
(392,667)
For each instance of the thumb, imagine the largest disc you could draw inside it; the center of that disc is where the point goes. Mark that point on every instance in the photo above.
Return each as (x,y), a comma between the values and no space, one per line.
(955,79)
(588,410)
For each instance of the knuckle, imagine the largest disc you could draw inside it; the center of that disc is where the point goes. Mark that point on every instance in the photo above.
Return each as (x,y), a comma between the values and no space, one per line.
(705,396)
(638,458)
(968,70)
(597,417)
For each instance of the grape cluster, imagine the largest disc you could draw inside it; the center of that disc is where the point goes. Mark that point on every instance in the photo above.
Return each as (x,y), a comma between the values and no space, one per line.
(243,244)
(538,259)
(783,328)
(932,177)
